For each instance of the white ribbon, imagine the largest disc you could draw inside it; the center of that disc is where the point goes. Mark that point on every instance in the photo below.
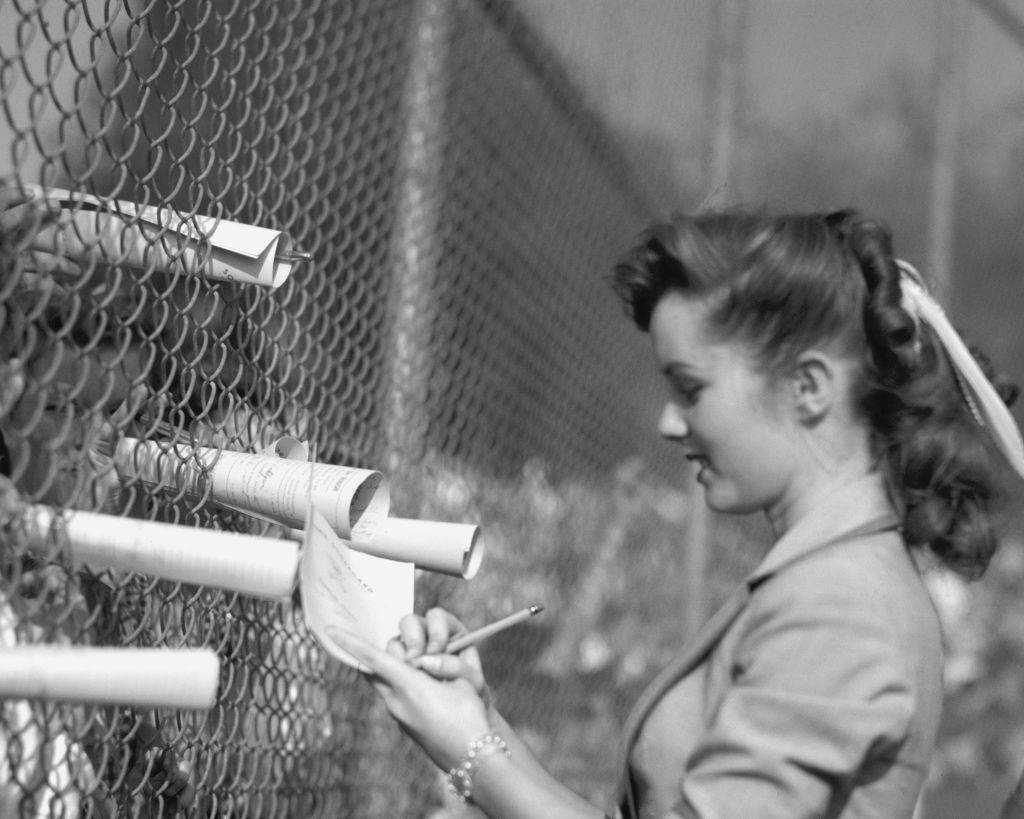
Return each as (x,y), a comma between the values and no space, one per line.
(984,402)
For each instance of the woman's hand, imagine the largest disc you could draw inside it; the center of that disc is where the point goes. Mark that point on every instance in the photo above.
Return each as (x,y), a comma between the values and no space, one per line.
(441,715)
(422,642)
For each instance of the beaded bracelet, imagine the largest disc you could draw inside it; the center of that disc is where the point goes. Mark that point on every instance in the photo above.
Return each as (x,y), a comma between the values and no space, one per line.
(460,778)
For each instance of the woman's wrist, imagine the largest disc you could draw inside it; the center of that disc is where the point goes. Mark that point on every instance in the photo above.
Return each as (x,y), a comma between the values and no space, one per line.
(477,753)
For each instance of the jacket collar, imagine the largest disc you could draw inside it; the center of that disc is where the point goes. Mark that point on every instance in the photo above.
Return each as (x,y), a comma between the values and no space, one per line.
(854,504)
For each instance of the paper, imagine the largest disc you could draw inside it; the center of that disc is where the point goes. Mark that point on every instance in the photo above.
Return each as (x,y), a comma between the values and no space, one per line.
(287,447)
(138,236)
(251,565)
(144,677)
(274,488)
(340,587)
(451,548)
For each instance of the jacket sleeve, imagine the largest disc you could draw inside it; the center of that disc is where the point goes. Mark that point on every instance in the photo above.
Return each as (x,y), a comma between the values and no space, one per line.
(819,689)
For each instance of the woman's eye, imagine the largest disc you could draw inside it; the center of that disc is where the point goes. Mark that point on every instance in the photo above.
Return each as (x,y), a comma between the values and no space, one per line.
(687,392)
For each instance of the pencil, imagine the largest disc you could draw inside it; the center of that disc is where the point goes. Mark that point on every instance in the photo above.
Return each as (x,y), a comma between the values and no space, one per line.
(475,637)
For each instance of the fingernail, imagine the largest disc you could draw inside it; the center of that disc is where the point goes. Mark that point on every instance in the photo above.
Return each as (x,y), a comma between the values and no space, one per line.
(430,663)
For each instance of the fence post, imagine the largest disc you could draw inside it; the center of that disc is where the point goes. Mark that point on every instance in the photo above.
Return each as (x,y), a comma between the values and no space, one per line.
(416,245)
(725,91)
(949,78)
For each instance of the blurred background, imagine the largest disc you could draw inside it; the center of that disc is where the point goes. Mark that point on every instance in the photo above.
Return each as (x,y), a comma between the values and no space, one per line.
(464,173)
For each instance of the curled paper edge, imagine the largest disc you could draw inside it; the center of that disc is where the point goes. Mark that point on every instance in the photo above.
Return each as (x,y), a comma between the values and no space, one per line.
(288,447)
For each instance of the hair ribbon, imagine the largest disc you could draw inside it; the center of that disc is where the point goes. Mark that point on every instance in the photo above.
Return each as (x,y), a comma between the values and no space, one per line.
(981,397)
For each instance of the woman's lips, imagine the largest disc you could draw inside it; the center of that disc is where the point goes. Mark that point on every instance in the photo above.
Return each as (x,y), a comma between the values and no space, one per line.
(702,463)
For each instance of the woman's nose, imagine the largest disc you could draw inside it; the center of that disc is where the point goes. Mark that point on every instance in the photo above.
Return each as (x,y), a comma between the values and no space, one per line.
(672,424)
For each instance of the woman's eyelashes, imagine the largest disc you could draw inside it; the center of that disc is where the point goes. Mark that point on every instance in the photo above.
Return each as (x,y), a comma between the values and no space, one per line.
(685,390)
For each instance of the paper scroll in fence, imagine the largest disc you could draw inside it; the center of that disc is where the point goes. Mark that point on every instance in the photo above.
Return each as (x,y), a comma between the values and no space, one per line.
(450,548)
(358,592)
(138,236)
(144,677)
(352,500)
(251,565)
(287,447)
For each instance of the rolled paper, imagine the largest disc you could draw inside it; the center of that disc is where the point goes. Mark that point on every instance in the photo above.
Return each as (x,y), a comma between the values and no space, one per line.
(140,236)
(251,565)
(451,548)
(353,500)
(144,677)
(287,447)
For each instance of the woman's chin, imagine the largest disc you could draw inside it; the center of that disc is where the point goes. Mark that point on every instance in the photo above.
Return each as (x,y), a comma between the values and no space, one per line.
(719,500)
(713,498)
(715,505)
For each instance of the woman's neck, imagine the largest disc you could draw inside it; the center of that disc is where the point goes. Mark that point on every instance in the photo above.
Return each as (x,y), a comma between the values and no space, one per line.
(824,471)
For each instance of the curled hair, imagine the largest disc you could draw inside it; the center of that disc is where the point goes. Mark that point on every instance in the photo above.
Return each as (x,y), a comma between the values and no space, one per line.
(783,284)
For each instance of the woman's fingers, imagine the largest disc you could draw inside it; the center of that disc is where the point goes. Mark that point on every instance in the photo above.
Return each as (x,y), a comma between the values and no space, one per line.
(440,666)
(449,667)
(395,648)
(429,634)
(438,632)
(412,631)
(442,627)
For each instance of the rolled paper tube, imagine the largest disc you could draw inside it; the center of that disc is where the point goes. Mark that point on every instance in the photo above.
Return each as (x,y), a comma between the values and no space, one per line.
(140,236)
(287,447)
(144,677)
(451,548)
(251,565)
(434,546)
(352,499)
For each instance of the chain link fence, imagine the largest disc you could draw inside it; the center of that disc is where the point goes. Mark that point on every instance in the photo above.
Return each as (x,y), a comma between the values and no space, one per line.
(453,329)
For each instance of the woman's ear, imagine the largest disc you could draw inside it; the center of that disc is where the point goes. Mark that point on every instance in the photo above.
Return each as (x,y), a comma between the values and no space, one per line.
(815,385)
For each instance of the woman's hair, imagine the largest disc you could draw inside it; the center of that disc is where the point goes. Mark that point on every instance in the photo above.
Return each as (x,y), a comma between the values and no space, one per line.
(783,284)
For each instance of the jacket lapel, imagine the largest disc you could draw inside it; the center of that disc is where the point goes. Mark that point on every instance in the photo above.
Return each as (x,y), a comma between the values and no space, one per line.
(697,649)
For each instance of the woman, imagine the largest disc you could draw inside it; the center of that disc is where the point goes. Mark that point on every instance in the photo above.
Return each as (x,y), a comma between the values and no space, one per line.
(813,379)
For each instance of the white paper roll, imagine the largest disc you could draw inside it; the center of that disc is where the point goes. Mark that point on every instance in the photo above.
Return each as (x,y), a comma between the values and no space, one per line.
(352,499)
(451,548)
(256,566)
(145,677)
(138,236)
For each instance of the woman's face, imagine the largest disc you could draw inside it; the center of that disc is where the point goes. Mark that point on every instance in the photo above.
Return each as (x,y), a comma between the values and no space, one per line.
(731,420)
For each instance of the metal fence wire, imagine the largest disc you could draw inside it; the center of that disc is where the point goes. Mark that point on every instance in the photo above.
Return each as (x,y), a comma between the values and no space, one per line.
(452,329)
